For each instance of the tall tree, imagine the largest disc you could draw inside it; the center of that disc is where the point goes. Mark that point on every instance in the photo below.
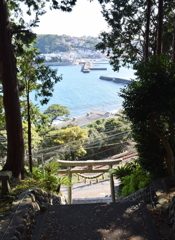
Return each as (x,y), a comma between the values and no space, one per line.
(148,101)
(72,139)
(138,29)
(57,112)
(15,145)
(149,2)
(149,104)
(8,70)
(160,25)
(35,76)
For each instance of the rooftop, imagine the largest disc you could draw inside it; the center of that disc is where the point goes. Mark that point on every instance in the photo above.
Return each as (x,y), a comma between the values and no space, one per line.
(82,121)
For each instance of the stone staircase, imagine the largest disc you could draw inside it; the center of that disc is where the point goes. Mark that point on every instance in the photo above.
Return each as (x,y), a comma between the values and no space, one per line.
(42,215)
(96,221)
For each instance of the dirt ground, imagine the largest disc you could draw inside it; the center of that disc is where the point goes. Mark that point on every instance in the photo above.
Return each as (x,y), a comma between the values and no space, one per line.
(159,215)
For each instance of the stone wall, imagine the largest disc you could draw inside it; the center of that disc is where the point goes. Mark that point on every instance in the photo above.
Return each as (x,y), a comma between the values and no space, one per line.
(147,195)
(171,211)
(154,195)
(26,208)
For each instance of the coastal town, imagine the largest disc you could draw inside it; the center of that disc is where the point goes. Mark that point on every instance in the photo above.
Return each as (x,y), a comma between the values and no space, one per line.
(74,57)
(69,50)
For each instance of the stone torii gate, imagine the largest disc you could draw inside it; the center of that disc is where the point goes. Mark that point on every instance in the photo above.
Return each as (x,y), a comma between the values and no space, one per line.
(89,163)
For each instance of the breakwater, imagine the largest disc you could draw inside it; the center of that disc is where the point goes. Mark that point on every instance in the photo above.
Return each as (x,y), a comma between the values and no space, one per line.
(97,68)
(114,79)
(81,92)
(88,66)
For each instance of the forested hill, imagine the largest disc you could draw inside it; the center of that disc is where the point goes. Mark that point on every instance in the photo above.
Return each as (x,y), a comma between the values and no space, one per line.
(48,43)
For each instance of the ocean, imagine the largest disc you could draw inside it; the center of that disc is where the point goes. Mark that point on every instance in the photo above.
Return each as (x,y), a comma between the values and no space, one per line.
(82,92)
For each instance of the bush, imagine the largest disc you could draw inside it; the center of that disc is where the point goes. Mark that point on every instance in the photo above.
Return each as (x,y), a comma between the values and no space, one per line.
(138,179)
(48,181)
(123,170)
(150,150)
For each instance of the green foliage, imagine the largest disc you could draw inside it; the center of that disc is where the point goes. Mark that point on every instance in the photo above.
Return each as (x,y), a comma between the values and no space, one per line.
(3,143)
(107,126)
(138,179)
(55,111)
(125,43)
(51,167)
(8,64)
(3,133)
(150,149)
(132,177)
(48,181)
(92,132)
(40,120)
(50,43)
(2,113)
(36,139)
(108,132)
(113,124)
(72,139)
(72,144)
(6,202)
(122,170)
(49,136)
(54,59)
(149,105)
(34,75)
(122,117)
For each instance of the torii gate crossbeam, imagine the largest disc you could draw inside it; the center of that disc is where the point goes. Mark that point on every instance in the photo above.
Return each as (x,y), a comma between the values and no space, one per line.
(89,164)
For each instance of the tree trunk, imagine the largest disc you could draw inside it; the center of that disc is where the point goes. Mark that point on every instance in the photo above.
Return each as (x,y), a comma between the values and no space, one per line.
(173,55)
(147,28)
(168,149)
(15,145)
(72,155)
(29,133)
(160,24)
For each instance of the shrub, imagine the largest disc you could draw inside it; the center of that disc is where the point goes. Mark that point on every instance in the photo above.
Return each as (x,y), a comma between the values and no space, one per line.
(138,179)
(48,181)
(123,170)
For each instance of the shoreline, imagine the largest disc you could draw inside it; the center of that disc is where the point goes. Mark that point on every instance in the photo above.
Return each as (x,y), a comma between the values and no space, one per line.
(82,92)
(89,117)
(76,62)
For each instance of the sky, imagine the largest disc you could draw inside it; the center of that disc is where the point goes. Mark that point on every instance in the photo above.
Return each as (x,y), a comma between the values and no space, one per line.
(85,20)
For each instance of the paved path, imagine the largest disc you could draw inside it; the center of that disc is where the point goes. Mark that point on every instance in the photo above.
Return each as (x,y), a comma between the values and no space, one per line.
(85,191)
(98,221)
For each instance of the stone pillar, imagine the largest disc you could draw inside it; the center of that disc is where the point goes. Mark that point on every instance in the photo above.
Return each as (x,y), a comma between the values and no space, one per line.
(70,187)
(5,177)
(112,187)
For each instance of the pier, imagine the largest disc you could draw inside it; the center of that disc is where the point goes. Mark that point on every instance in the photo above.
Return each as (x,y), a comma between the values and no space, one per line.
(114,79)
(89,66)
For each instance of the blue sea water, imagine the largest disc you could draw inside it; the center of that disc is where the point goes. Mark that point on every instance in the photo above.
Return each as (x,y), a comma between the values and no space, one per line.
(82,92)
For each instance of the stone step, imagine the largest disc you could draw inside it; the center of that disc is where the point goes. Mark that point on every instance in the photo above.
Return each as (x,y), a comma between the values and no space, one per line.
(91,200)
(128,220)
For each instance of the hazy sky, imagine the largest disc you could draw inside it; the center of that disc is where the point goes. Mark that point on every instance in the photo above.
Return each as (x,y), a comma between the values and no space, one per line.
(85,19)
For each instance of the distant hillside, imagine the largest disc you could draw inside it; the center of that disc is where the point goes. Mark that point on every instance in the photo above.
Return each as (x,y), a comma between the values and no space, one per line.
(48,43)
